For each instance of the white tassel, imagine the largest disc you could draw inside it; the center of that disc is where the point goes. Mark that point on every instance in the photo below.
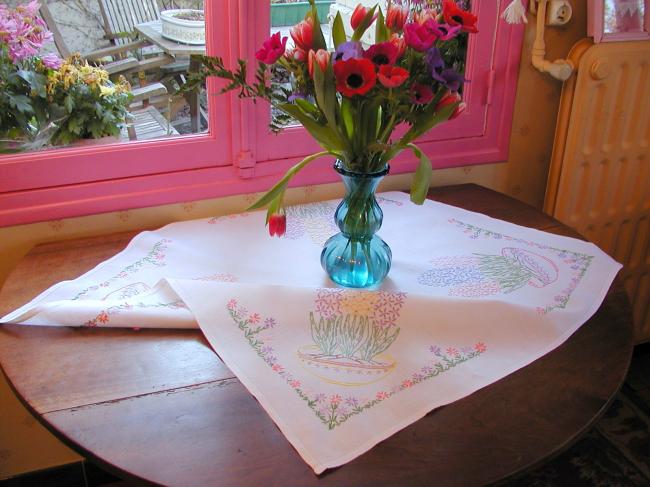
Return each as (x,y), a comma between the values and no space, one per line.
(515,13)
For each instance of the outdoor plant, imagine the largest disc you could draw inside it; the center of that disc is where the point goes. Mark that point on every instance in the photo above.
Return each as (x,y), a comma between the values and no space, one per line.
(46,100)
(352,97)
(27,118)
(95,106)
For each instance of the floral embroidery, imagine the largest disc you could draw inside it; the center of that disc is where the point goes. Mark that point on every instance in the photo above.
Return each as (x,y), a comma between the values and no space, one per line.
(335,409)
(219,277)
(235,216)
(383,200)
(155,257)
(316,220)
(516,267)
(104,316)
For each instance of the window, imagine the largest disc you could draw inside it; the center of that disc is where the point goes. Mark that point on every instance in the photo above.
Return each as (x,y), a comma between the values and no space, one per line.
(238,154)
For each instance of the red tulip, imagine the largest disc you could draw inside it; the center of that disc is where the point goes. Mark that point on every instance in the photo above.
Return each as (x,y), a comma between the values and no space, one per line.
(322,57)
(272,49)
(278,224)
(456,16)
(423,15)
(303,34)
(450,98)
(392,76)
(396,16)
(358,15)
(297,54)
(355,76)
(398,41)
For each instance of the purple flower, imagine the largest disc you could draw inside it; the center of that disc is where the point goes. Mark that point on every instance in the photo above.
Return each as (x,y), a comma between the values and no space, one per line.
(295,96)
(348,50)
(449,78)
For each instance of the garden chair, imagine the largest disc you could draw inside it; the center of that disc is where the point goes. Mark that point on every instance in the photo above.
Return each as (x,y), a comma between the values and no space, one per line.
(142,111)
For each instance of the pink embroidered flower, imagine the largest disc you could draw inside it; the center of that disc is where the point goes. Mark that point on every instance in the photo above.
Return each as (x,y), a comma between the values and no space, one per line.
(335,400)
(254,318)
(277,368)
(407,383)
(295,384)
(452,351)
(480,347)
(381,395)
(102,317)
(232,304)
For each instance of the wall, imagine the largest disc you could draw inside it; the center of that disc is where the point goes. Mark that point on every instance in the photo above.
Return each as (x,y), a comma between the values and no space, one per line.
(26,446)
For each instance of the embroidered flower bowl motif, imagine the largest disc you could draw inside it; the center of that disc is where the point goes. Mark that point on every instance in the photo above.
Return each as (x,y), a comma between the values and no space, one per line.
(483,274)
(334,409)
(351,332)
(128,291)
(517,267)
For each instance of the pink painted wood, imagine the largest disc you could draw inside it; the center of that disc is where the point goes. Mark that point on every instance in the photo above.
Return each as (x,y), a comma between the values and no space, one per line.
(238,156)
(596,24)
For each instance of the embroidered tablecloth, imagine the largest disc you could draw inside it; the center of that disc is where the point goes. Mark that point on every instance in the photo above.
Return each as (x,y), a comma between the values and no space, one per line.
(469,299)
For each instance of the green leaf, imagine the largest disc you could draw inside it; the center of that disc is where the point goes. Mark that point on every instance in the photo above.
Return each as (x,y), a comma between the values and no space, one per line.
(365,23)
(325,90)
(382,34)
(37,81)
(318,41)
(348,117)
(422,176)
(21,103)
(69,103)
(277,191)
(322,133)
(307,108)
(338,30)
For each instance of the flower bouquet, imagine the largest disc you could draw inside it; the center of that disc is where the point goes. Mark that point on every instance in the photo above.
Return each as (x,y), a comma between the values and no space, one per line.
(351,98)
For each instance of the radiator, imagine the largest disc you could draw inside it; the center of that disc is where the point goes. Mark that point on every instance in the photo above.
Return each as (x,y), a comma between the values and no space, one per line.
(599,179)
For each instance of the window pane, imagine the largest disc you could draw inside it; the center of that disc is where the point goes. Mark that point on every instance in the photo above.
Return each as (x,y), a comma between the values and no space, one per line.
(110,75)
(624,16)
(287,13)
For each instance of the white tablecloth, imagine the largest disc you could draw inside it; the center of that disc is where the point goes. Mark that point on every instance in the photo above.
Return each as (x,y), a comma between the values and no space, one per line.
(469,299)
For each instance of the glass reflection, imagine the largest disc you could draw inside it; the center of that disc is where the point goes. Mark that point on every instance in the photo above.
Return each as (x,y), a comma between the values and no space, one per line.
(98,71)
(623,16)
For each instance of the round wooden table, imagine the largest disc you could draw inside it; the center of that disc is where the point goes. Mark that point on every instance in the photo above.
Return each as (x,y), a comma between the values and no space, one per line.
(159,406)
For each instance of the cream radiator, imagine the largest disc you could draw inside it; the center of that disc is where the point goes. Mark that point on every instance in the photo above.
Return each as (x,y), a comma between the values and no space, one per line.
(599,180)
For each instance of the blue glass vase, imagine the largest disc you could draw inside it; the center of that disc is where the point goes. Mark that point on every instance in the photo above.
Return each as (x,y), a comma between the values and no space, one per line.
(356,257)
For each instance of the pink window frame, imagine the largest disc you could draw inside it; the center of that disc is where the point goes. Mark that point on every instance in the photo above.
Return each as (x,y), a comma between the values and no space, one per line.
(234,157)
(596,24)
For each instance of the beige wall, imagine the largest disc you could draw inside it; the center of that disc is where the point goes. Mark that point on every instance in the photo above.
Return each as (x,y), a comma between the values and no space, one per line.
(26,446)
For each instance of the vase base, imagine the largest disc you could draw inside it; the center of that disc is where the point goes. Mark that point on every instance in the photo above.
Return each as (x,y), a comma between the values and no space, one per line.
(356,263)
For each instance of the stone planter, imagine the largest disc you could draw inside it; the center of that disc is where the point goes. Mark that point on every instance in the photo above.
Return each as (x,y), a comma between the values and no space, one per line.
(287,14)
(181,30)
